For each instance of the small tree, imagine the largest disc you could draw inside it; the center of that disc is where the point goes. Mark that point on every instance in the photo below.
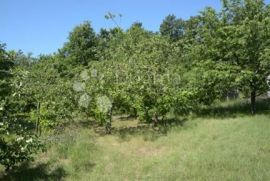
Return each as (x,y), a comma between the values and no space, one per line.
(244,42)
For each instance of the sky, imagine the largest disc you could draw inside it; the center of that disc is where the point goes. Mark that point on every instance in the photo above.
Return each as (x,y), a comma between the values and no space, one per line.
(42,26)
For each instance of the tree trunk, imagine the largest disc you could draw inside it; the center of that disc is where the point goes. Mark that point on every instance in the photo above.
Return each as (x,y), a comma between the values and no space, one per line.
(109,122)
(7,169)
(108,127)
(155,120)
(253,101)
(38,119)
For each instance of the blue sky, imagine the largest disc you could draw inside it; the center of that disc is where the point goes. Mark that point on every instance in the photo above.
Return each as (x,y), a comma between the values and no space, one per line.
(42,26)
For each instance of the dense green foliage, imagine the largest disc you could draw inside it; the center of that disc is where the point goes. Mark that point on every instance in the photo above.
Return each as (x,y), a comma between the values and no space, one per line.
(146,75)
(235,46)
(17,140)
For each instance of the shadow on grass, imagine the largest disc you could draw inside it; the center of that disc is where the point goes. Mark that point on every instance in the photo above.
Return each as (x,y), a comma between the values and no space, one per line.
(124,117)
(148,131)
(234,108)
(82,123)
(39,172)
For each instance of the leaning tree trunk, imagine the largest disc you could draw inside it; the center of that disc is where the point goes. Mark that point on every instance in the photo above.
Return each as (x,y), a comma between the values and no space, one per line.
(253,101)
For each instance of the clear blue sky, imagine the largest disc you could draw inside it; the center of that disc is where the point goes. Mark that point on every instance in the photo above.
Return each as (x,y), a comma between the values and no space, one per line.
(42,26)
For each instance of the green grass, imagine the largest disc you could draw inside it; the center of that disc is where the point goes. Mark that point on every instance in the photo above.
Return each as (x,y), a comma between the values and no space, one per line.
(205,148)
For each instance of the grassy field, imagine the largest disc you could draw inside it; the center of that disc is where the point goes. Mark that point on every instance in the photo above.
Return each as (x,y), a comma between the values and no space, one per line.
(224,143)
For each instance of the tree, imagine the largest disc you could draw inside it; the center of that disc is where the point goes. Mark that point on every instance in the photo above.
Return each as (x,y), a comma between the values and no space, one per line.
(17,140)
(108,40)
(243,43)
(172,27)
(81,46)
(5,65)
(231,50)
(51,94)
(20,59)
(140,77)
(209,76)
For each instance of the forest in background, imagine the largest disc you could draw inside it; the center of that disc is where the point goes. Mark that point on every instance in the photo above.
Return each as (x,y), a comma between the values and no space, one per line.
(152,76)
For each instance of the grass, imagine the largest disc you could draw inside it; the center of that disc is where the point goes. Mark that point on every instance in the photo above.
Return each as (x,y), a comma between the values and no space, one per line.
(217,147)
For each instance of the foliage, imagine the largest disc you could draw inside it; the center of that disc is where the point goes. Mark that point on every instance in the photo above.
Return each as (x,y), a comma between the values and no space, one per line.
(17,139)
(172,27)
(81,47)
(139,78)
(51,95)
(232,48)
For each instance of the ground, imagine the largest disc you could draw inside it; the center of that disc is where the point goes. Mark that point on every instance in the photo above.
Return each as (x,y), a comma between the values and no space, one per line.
(220,145)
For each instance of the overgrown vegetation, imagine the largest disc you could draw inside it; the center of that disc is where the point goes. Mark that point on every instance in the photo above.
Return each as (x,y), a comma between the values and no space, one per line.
(155,78)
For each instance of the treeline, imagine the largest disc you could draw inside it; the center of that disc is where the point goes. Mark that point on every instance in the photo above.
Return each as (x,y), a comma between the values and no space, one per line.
(145,74)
